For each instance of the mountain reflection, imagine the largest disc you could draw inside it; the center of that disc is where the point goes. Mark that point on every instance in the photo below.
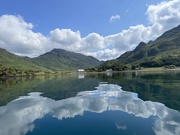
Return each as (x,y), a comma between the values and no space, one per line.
(17,117)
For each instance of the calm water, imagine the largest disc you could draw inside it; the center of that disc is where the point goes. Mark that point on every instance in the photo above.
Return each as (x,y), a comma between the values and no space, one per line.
(99,104)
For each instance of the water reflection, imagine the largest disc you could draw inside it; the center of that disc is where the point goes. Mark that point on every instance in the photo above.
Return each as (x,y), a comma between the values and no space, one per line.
(54,87)
(17,117)
(163,87)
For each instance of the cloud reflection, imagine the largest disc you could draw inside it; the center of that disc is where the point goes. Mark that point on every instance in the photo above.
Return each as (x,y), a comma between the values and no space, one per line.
(17,116)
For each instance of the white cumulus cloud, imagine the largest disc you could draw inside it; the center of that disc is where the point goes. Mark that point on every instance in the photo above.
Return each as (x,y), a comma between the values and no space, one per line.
(72,41)
(17,36)
(128,39)
(94,41)
(65,36)
(163,16)
(105,54)
(66,39)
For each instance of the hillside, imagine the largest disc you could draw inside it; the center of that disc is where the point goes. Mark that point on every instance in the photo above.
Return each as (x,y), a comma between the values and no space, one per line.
(165,50)
(59,59)
(56,59)
(10,60)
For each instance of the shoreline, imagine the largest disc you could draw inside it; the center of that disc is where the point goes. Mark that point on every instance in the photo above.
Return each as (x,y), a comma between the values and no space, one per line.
(141,70)
(60,73)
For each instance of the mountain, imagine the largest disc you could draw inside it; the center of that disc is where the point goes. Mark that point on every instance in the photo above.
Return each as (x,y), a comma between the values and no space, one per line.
(59,59)
(10,60)
(165,50)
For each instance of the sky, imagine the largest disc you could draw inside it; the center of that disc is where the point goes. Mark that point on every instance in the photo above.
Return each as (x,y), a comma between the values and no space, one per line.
(104,29)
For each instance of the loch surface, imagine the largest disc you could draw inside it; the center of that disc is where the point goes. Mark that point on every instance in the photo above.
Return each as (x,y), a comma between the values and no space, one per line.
(136,103)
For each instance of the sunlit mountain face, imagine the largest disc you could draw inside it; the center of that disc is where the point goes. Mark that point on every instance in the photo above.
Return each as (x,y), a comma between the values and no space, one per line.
(108,109)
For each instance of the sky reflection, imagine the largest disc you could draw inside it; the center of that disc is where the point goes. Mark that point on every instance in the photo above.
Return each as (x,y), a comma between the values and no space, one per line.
(17,117)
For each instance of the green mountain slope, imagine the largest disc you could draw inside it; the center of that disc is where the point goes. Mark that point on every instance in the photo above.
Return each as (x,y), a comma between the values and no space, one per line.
(165,50)
(59,59)
(9,60)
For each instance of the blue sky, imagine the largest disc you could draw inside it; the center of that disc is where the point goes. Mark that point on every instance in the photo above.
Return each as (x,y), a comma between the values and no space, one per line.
(102,28)
(79,15)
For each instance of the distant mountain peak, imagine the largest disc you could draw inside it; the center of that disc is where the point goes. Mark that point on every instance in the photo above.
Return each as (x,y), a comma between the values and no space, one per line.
(60,59)
(57,50)
(141,45)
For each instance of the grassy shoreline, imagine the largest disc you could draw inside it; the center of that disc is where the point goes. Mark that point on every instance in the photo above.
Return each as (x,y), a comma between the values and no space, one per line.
(52,73)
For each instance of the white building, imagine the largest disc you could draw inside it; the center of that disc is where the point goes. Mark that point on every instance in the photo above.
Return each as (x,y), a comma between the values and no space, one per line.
(80,70)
